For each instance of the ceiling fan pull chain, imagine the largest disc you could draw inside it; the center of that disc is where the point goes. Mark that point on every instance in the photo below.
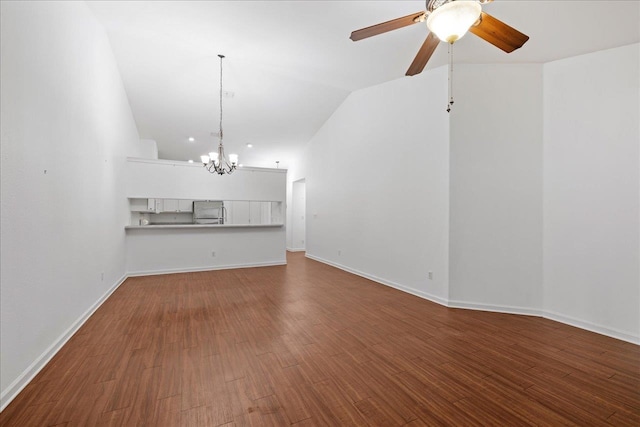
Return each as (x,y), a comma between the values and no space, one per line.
(450,77)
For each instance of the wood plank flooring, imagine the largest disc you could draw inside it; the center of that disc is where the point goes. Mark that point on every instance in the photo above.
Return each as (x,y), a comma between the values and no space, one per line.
(309,345)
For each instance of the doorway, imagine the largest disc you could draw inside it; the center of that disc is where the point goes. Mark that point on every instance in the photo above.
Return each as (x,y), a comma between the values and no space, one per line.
(298,215)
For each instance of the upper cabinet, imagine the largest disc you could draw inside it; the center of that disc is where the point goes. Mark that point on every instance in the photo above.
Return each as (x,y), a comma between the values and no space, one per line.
(177,205)
(252,212)
(145,205)
(170,205)
(185,205)
(161,205)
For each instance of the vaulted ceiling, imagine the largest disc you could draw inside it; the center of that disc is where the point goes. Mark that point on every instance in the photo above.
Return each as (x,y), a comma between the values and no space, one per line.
(289,64)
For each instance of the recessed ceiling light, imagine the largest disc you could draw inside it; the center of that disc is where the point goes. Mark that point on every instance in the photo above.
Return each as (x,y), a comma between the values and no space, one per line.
(240,165)
(191,139)
(190,161)
(249,145)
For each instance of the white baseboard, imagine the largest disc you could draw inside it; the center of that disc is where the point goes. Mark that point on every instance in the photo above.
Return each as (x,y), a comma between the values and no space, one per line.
(412,291)
(599,329)
(524,311)
(28,374)
(296,249)
(198,269)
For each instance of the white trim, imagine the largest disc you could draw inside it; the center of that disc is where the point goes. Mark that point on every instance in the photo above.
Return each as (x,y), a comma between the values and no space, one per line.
(208,268)
(524,311)
(28,374)
(592,327)
(412,291)
(296,249)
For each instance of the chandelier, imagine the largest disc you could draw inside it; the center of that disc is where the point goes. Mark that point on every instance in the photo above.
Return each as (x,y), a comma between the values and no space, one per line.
(217,162)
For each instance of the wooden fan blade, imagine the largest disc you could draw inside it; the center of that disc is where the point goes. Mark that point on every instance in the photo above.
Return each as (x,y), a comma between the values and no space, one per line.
(498,33)
(394,24)
(425,52)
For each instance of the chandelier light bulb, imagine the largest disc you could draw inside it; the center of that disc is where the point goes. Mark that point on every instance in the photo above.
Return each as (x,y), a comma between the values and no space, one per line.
(451,21)
(233,158)
(204,159)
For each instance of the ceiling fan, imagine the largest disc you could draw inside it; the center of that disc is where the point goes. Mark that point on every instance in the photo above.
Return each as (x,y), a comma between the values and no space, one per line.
(448,21)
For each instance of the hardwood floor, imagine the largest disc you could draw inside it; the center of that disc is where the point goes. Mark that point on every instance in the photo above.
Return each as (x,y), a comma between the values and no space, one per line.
(309,345)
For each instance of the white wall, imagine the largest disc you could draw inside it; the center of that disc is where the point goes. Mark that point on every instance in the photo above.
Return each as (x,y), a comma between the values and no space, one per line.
(152,251)
(377,185)
(296,171)
(544,189)
(65,130)
(146,149)
(496,187)
(298,216)
(170,179)
(159,250)
(591,191)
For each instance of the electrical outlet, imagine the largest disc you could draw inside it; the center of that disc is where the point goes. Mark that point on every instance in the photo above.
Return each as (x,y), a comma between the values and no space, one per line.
(102,277)
(339,253)
(213,254)
(431,275)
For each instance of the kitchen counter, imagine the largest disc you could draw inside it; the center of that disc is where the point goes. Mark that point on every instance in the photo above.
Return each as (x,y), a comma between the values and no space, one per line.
(191,226)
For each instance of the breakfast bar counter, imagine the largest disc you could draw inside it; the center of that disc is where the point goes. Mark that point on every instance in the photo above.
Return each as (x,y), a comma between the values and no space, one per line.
(194,226)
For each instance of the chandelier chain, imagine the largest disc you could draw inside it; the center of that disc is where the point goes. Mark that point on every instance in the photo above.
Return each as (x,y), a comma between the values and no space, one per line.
(221,56)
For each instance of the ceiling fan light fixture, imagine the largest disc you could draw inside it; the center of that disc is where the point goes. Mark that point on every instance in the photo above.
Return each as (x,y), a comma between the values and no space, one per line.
(451,21)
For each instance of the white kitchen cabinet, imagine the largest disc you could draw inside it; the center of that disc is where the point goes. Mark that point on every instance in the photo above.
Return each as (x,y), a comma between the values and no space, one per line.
(154,205)
(177,205)
(138,205)
(170,205)
(259,212)
(249,212)
(185,205)
(265,213)
(237,212)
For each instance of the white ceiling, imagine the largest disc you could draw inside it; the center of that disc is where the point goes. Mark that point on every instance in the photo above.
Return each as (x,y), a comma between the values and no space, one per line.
(290,64)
